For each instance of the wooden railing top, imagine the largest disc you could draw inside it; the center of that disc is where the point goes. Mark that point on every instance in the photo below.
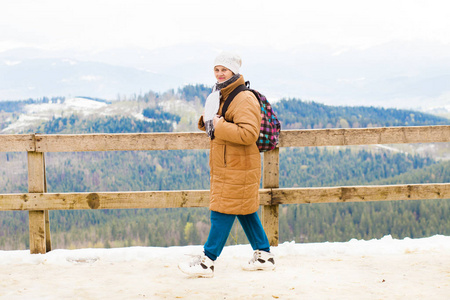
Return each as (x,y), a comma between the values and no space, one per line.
(17,142)
(199,140)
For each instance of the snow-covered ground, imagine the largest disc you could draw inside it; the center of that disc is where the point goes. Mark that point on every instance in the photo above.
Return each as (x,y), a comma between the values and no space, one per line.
(38,113)
(442,110)
(375,269)
(82,105)
(35,114)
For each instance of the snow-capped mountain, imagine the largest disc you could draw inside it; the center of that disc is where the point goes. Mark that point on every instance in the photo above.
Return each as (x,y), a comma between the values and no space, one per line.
(49,77)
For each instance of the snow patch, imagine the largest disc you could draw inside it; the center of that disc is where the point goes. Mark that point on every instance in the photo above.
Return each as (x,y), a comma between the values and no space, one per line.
(386,268)
(375,247)
(350,80)
(91,78)
(139,116)
(177,105)
(38,113)
(69,61)
(11,63)
(83,104)
(24,122)
(389,148)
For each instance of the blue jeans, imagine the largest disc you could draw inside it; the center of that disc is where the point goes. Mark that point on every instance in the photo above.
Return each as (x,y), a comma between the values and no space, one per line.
(220,229)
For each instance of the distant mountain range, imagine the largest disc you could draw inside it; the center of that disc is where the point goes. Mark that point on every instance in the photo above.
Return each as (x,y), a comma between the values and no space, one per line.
(35,78)
(389,75)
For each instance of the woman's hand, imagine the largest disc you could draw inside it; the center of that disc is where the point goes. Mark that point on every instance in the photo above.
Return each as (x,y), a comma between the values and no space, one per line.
(216,119)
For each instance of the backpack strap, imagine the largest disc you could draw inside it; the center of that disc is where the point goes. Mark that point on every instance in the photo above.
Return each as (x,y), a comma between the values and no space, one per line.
(233,94)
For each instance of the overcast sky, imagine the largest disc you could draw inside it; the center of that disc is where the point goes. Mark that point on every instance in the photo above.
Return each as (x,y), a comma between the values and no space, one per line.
(93,25)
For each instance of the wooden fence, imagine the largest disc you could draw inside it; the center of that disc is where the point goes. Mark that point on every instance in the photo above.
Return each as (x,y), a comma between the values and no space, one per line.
(38,202)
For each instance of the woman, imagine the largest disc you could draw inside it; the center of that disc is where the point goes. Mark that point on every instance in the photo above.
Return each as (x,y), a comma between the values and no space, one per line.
(235,165)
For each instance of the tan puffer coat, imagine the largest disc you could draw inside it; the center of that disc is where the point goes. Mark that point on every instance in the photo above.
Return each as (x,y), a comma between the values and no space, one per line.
(234,158)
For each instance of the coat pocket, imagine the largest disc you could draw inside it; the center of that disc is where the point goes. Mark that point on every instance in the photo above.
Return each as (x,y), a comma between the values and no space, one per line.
(218,156)
(225,155)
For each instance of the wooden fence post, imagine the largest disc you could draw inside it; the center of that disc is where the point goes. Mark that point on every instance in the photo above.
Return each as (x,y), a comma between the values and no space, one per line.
(48,241)
(38,219)
(269,214)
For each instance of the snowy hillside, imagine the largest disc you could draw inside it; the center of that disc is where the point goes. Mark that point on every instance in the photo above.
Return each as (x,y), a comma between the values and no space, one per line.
(37,113)
(443,111)
(375,269)
(40,112)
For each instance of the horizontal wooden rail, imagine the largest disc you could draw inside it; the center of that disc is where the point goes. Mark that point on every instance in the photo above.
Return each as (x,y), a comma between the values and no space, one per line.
(121,142)
(365,136)
(17,142)
(38,202)
(361,193)
(200,198)
(199,140)
(111,200)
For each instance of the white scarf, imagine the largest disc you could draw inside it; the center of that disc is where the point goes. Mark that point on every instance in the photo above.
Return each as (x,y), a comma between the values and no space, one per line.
(211,108)
(212,104)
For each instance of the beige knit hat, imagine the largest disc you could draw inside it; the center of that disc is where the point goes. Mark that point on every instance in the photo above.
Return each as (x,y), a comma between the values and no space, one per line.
(229,60)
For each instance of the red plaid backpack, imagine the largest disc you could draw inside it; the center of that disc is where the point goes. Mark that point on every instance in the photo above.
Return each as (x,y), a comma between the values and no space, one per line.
(270,126)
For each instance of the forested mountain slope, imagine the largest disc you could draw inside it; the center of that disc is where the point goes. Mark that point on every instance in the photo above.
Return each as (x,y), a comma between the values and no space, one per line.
(297,114)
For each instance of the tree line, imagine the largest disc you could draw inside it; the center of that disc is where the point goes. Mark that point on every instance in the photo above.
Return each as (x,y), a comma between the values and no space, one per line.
(181,170)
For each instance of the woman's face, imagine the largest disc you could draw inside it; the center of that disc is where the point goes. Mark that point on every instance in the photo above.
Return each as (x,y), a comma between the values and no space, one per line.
(222,74)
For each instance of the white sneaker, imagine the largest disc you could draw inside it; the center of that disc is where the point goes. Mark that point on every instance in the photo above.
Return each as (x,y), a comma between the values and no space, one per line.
(199,266)
(261,260)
